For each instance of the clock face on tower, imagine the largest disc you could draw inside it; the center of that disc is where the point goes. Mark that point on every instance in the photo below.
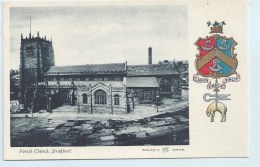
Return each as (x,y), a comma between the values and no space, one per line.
(30,57)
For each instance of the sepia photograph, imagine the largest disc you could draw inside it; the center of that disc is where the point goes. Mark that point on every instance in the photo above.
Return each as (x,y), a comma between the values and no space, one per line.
(109,75)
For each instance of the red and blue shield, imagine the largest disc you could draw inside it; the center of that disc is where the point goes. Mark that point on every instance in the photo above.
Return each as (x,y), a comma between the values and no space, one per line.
(216,58)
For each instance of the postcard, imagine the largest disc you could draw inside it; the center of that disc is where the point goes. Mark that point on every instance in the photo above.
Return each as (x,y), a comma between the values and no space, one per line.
(125,79)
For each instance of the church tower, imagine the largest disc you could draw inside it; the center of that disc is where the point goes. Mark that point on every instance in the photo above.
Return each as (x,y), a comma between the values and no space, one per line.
(36,57)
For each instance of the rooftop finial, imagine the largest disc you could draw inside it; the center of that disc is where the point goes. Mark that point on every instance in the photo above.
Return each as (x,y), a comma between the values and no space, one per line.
(38,34)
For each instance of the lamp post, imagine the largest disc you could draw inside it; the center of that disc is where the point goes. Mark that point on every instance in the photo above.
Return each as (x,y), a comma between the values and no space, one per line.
(157,102)
(91,105)
(111,96)
(132,98)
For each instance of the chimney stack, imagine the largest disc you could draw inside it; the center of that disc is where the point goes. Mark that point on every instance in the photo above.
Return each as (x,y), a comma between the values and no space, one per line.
(150,56)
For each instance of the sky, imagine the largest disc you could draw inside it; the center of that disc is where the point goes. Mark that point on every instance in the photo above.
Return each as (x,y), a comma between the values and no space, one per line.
(104,34)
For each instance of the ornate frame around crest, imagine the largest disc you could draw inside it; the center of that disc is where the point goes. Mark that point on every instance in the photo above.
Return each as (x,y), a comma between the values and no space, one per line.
(216,36)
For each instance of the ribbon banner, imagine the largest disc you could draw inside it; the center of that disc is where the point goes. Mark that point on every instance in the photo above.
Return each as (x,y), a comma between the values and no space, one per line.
(196,78)
(216,85)
(232,79)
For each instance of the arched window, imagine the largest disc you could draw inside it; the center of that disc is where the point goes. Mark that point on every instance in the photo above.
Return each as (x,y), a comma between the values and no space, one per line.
(85,98)
(116,100)
(100,97)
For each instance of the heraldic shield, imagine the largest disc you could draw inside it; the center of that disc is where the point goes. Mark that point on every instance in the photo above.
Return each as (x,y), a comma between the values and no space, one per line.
(216,58)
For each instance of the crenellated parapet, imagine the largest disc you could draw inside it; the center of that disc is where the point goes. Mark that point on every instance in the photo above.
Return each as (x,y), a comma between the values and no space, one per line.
(32,38)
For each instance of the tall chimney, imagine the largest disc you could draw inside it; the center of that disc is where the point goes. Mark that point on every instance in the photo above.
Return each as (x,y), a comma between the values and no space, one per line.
(150,56)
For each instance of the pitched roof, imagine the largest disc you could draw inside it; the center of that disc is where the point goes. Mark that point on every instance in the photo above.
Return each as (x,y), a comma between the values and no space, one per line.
(151,70)
(93,69)
(174,61)
(83,83)
(142,82)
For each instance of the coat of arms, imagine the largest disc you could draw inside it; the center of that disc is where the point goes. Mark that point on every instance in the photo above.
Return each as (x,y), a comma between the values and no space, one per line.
(216,60)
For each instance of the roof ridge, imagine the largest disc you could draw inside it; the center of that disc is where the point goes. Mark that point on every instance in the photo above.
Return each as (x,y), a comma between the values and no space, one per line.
(81,65)
(147,65)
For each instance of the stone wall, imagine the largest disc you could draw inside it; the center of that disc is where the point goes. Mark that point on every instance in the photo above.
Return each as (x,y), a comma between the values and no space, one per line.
(137,95)
(109,107)
(36,56)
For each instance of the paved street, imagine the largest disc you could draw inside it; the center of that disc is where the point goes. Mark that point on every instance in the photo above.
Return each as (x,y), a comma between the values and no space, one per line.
(144,126)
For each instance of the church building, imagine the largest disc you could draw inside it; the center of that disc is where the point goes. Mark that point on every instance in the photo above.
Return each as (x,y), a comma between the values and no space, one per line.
(93,88)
